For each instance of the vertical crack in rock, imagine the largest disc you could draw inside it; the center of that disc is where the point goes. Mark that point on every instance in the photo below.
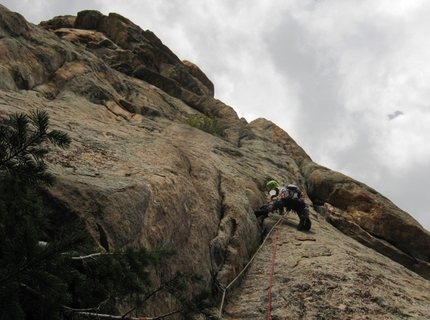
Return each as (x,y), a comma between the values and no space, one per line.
(217,245)
(103,237)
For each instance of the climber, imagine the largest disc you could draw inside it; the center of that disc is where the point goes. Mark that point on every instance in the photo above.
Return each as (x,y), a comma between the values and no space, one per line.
(291,198)
(274,190)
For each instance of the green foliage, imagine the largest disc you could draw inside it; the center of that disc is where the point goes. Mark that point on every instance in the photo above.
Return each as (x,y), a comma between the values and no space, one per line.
(31,281)
(52,272)
(110,280)
(208,123)
(23,146)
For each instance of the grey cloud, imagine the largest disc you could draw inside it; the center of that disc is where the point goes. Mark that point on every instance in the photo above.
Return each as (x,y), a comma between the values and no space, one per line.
(297,58)
(394,115)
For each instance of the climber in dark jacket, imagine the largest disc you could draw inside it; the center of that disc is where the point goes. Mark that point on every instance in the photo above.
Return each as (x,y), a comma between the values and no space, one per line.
(290,198)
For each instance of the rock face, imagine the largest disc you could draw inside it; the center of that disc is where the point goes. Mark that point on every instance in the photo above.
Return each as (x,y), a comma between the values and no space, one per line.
(324,274)
(140,175)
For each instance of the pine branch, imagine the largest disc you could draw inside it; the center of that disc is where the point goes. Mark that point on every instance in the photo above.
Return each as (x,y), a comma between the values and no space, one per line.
(90,256)
(45,254)
(108,316)
(162,287)
(33,292)
(40,121)
(168,314)
(20,121)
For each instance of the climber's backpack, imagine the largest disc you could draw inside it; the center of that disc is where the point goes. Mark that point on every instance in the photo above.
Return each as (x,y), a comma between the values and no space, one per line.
(291,191)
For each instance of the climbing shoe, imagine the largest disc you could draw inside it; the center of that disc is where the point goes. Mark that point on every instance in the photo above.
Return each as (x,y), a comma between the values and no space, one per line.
(308,224)
(302,223)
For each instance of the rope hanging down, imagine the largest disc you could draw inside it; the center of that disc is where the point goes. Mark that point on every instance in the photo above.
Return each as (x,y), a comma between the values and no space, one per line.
(275,239)
(249,262)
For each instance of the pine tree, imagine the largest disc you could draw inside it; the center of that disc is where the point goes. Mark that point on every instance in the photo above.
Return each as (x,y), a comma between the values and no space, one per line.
(30,283)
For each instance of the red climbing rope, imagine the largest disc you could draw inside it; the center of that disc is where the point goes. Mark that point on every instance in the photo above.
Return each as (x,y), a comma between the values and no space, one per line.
(275,239)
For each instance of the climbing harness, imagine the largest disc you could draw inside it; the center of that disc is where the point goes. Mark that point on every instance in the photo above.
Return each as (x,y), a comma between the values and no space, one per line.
(275,227)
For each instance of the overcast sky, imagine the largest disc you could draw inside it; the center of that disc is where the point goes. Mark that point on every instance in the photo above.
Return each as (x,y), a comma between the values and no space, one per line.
(349,80)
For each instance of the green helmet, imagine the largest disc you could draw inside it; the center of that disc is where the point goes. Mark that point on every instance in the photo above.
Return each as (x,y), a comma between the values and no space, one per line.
(272,184)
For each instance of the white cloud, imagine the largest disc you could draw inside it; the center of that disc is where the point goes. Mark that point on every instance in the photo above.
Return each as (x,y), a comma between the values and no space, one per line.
(404,142)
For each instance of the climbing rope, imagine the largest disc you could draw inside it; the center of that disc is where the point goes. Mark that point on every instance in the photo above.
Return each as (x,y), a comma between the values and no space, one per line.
(249,262)
(275,239)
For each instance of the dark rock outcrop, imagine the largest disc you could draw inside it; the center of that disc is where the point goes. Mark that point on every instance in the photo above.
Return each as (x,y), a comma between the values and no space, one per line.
(370,218)
(140,175)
